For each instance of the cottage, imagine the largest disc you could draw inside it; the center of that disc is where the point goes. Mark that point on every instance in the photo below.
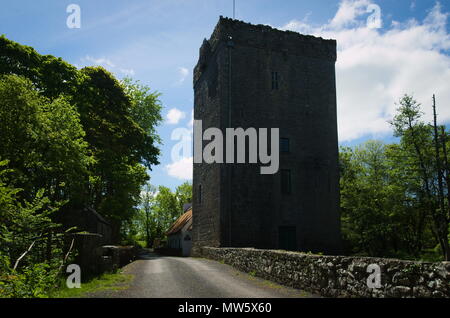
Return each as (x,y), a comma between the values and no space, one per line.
(179,235)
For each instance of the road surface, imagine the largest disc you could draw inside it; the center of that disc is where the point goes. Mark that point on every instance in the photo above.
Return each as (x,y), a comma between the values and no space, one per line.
(176,277)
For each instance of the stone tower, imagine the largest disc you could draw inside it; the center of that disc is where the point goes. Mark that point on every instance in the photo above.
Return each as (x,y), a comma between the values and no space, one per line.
(256,76)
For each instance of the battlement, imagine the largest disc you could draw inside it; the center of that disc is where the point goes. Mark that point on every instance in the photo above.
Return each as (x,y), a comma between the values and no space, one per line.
(242,31)
(243,34)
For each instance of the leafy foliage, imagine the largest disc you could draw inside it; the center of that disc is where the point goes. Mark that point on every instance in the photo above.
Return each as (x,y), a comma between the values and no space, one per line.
(42,139)
(390,193)
(160,207)
(23,228)
(71,139)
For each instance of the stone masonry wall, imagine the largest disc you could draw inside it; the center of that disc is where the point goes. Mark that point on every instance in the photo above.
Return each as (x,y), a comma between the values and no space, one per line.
(339,276)
(234,205)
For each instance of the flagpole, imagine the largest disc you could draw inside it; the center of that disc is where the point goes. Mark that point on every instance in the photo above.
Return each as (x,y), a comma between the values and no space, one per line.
(234,9)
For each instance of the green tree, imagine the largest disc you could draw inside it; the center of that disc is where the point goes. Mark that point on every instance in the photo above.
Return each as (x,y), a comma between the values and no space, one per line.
(84,136)
(145,107)
(121,147)
(43,140)
(72,138)
(365,197)
(148,200)
(419,145)
(183,194)
(166,207)
(52,76)
(24,271)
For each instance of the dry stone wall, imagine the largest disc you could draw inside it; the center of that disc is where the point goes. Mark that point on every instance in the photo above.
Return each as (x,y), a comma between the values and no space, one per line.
(339,276)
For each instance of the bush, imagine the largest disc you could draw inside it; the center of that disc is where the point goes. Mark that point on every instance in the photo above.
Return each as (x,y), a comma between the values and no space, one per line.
(27,231)
(33,281)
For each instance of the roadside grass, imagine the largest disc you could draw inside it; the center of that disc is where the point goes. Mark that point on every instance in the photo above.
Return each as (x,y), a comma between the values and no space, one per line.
(272,285)
(106,282)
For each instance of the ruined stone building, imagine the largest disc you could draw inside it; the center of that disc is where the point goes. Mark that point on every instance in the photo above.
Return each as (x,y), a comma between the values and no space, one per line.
(256,76)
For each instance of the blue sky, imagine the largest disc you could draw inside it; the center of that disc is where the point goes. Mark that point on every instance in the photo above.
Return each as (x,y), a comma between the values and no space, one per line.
(157,43)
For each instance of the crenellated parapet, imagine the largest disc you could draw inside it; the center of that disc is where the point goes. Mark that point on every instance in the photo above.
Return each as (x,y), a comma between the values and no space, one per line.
(264,37)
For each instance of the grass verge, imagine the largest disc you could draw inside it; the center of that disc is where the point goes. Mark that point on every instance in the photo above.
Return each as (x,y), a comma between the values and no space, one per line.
(106,282)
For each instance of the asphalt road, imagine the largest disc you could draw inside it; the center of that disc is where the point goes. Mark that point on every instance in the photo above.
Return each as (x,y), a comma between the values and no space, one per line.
(175,277)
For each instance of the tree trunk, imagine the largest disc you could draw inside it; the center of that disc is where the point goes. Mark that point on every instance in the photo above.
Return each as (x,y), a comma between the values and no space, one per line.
(441,214)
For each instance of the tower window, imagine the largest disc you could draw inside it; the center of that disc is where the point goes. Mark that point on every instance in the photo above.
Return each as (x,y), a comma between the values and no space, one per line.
(286,181)
(199,197)
(274,80)
(284,145)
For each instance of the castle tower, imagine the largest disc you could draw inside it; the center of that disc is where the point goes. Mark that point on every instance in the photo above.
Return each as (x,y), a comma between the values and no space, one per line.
(256,76)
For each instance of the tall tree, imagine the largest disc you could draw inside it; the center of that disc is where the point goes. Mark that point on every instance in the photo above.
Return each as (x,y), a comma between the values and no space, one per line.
(118,121)
(148,198)
(419,142)
(365,197)
(43,141)
(145,107)
(183,194)
(442,215)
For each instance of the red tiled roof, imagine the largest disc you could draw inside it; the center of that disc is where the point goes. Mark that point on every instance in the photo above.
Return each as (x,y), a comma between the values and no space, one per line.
(180,222)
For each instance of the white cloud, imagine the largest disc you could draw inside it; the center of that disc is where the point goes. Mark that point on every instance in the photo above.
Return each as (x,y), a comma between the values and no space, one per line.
(99,61)
(348,12)
(181,169)
(174,116)
(127,72)
(182,74)
(376,67)
(107,64)
(191,122)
